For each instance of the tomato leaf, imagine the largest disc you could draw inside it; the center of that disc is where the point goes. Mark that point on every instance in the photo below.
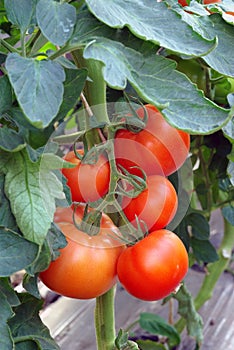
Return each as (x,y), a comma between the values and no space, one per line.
(203,250)
(74,83)
(6,289)
(10,140)
(16,252)
(150,345)
(56,20)
(228,213)
(38,86)
(32,189)
(186,309)
(5,94)
(6,341)
(199,225)
(221,58)
(155,324)
(21,13)
(6,218)
(154,26)
(31,326)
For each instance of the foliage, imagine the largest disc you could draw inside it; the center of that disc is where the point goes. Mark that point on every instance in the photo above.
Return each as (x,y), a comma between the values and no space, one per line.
(52,53)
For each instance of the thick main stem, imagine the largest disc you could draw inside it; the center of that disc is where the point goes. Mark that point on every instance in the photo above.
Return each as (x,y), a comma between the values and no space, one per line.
(214,271)
(95,87)
(105,320)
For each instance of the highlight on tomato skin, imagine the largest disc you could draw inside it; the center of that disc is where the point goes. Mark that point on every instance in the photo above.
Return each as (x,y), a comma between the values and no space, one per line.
(163,148)
(87,182)
(87,266)
(154,267)
(156,206)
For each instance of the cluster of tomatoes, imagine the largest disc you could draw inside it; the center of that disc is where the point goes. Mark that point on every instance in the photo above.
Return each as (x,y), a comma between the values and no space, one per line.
(150,268)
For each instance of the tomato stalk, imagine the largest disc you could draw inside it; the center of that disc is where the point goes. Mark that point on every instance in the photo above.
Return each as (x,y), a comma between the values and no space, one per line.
(105,320)
(214,271)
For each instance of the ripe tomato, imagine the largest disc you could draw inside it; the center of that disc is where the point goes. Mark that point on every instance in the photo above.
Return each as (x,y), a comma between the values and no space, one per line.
(87,182)
(207,2)
(183,2)
(153,267)
(87,266)
(158,149)
(156,205)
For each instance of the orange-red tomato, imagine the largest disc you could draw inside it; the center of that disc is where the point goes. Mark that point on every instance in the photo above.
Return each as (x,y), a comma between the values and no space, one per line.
(158,149)
(87,182)
(207,2)
(87,266)
(156,205)
(154,267)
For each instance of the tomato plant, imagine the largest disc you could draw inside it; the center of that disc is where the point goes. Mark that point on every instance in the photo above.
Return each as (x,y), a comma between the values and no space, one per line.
(142,95)
(163,148)
(155,206)
(86,267)
(154,267)
(87,181)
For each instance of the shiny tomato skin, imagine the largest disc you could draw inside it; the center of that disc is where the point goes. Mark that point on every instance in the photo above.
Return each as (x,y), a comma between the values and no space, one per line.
(156,205)
(87,266)
(154,267)
(207,2)
(159,149)
(87,182)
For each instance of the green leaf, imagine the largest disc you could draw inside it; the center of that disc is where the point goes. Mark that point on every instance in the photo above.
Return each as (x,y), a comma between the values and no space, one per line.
(32,189)
(74,83)
(155,324)
(150,345)
(30,283)
(199,224)
(158,20)
(5,94)
(56,20)
(7,219)
(27,345)
(16,252)
(187,310)
(203,250)
(228,213)
(156,81)
(6,341)
(27,323)
(10,140)
(221,58)
(8,291)
(21,13)
(38,86)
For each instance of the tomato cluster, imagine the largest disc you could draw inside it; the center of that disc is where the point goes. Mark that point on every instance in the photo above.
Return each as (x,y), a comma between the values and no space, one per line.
(149,268)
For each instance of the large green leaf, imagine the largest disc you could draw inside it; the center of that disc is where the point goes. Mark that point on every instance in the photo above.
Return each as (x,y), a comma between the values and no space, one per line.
(31,189)
(154,21)
(155,324)
(27,324)
(221,58)
(56,20)
(38,86)
(16,253)
(10,140)
(21,12)
(5,94)
(7,289)
(6,341)
(6,218)
(156,81)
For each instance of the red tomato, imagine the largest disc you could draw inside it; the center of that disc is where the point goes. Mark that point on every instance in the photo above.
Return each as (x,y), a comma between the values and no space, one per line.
(207,2)
(153,267)
(158,149)
(156,205)
(87,182)
(183,2)
(87,266)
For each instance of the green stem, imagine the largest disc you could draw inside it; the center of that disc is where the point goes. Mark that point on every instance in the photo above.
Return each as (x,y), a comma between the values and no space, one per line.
(105,321)
(214,272)
(95,89)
